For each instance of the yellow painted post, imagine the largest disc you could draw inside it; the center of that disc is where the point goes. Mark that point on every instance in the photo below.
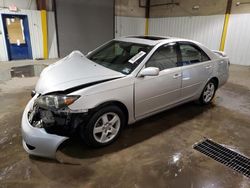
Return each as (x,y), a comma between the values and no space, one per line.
(225,26)
(224,32)
(45,33)
(146,26)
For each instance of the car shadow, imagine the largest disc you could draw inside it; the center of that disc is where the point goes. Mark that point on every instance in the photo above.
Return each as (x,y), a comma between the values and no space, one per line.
(138,132)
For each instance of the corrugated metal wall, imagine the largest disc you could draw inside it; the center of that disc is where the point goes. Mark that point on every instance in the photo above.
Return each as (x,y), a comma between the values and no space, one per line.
(125,26)
(204,29)
(237,45)
(36,37)
(35,27)
(52,38)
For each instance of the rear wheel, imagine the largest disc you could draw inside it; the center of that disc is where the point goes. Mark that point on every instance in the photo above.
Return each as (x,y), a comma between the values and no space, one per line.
(208,92)
(104,126)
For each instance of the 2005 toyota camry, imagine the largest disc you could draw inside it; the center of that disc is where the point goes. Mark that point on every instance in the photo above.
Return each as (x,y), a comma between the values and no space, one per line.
(120,82)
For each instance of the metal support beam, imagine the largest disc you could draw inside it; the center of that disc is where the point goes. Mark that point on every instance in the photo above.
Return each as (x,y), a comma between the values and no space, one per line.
(41,4)
(225,26)
(147,15)
(147,9)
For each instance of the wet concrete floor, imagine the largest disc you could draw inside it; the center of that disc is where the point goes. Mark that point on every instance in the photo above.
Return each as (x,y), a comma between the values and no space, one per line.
(26,71)
(155,152)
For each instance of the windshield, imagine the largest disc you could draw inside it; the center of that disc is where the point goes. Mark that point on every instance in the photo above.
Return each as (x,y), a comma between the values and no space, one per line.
(120,56)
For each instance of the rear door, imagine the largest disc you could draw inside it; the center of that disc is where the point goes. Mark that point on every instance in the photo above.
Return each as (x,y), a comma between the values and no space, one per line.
(196,68)
(153,93)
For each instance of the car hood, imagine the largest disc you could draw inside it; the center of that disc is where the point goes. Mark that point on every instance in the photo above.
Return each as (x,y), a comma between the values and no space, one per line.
(73,71)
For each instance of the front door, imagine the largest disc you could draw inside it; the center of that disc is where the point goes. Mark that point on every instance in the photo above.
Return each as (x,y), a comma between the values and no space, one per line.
(153,93)
(17,36)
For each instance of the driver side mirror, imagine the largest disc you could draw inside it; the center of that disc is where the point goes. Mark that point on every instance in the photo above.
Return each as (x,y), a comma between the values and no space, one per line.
(149,71)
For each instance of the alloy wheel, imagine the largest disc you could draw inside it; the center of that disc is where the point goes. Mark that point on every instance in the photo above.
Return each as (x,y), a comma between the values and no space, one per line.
(208,92)
(106,127)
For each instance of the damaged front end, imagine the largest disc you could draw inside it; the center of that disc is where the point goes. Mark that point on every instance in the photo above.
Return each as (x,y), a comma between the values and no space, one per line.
(60,122)
(46,124)
(51,112)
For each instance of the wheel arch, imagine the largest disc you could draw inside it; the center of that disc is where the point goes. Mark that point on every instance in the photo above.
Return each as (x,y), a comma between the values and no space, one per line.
(119,104)
(216,80)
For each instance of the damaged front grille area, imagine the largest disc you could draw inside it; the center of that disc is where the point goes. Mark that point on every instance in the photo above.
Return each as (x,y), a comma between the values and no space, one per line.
(62,123)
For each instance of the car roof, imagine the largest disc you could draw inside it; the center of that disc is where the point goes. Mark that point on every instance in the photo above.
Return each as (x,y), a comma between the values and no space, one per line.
(150,39)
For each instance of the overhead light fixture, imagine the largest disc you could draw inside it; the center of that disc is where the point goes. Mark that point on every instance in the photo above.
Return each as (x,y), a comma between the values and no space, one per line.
(196,7)
(241,3)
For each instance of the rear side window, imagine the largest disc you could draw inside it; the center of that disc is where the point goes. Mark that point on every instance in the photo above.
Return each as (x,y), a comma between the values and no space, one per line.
(192,54)
(164,58)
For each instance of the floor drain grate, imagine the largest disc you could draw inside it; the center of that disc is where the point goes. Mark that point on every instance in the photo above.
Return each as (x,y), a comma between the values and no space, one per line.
(225,156)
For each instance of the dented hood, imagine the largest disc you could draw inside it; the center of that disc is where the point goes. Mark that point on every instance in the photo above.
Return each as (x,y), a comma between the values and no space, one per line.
(72,71)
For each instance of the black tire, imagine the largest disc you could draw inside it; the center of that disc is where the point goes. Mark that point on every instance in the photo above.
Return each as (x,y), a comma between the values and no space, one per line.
(87,131)
(202,99)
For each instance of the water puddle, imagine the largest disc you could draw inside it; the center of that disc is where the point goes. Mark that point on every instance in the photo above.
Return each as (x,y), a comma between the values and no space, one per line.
(26,71)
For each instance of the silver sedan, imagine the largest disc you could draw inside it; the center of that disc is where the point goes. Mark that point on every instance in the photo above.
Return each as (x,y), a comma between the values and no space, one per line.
(119,83)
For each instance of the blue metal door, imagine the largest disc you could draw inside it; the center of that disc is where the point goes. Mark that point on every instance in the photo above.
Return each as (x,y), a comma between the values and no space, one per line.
(17,36)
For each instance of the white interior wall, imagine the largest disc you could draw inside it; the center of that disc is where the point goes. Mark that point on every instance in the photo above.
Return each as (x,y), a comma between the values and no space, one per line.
(3,50)
(237,45)
(52,38)
(204,29)
(125,26)
(35,28)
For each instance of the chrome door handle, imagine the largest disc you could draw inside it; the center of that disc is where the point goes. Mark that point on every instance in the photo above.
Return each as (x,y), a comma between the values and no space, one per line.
(176,76)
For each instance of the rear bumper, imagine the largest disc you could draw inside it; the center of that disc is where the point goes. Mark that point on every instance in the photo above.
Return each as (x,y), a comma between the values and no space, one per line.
(36,141)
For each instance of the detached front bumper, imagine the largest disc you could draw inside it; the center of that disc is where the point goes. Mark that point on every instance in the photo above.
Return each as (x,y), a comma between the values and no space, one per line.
(36,141)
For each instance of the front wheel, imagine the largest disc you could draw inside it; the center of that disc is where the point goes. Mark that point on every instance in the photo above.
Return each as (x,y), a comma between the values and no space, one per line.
(208,93)
(103,127)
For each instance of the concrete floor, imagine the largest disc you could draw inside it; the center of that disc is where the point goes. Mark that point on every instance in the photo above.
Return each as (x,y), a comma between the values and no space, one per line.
(155,152)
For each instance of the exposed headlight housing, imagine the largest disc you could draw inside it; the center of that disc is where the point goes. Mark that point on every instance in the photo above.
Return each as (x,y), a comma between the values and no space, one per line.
(55,102)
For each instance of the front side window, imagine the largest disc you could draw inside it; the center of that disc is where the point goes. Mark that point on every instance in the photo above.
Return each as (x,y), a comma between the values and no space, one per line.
(192,54)
(164,58)
(120,56)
